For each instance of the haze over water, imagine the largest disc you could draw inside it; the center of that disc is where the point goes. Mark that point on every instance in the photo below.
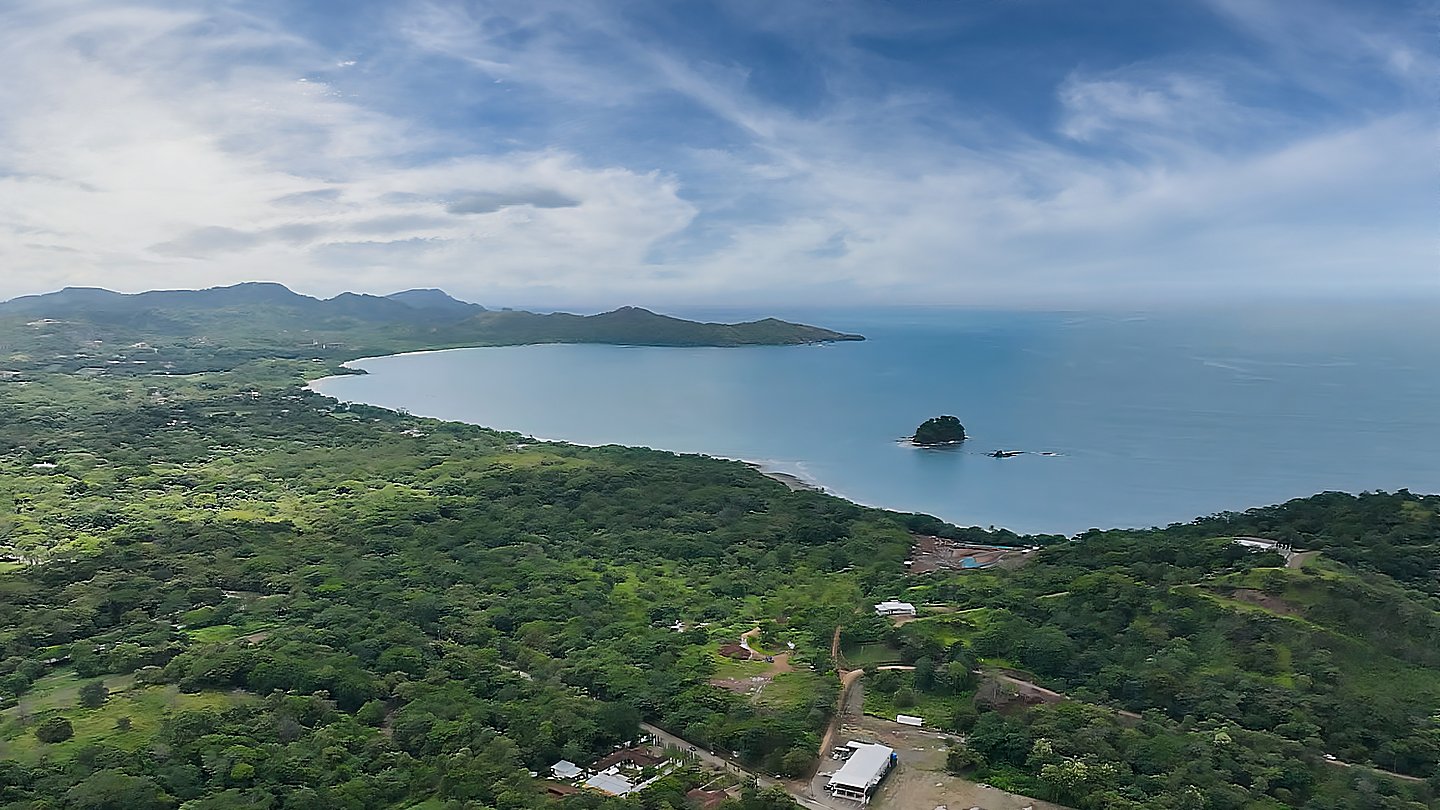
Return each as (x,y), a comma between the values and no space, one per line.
(1157,418)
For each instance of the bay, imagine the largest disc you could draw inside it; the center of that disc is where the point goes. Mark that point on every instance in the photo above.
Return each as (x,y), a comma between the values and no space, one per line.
(1153,417)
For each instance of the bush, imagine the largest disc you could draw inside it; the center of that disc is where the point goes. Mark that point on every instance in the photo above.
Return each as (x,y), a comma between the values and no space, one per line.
(93,694)
(962,759)
(54,730)
(372,713)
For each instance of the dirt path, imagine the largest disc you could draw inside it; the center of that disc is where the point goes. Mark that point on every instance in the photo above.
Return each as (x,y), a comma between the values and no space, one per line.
(780,663)
(843,707)
(1402,777)
(668,740)
(1050,695)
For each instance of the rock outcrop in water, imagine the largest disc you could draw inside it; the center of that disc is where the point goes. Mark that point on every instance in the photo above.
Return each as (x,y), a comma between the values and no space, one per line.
(939,430)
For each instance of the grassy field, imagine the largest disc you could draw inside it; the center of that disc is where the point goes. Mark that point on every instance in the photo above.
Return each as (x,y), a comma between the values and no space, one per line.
(793,689)
(872,654)
(936,709)
(946,629)
(225,632)
(739,670)
(60,691)
(146,706)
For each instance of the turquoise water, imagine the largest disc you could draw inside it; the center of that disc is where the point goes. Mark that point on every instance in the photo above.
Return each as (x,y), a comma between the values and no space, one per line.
(1153,418)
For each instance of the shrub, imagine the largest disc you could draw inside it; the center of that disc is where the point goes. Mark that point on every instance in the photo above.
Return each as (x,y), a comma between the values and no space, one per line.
(54,730)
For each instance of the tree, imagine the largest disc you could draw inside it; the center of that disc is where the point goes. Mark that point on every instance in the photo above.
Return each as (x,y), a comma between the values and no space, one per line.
(619,721)
(797,761)
(114,790)
(93,694)
(54,730)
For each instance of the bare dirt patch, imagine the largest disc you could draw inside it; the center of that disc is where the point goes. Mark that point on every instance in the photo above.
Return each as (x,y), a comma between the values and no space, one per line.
(920,781)
(930,553)
(1274,604)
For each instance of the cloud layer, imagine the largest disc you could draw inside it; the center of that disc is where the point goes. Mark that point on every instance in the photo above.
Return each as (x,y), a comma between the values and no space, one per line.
(644,152)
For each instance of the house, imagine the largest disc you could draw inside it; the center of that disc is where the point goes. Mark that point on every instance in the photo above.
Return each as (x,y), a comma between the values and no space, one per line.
(633,757)
(909,720)
(890,607)
(565,769)
(861,774)
(611,782)
(1262,544)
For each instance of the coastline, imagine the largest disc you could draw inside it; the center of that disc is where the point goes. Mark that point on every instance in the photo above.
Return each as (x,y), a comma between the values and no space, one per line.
(794,482)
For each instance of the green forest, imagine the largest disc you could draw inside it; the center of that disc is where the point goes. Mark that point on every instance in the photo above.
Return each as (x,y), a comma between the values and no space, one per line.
(221,590)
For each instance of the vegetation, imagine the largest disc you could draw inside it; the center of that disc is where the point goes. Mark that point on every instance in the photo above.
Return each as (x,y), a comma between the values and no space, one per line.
(385,608)
(1199,673)
(939,430)
(209,330)
(227,591)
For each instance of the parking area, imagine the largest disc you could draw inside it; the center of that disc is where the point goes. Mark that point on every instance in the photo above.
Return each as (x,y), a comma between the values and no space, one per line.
(919,782)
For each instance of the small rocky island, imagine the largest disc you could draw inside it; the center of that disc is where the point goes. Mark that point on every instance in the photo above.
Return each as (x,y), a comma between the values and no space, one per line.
(939,430)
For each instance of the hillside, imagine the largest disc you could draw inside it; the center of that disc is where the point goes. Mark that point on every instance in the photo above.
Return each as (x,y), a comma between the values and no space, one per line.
(184,331)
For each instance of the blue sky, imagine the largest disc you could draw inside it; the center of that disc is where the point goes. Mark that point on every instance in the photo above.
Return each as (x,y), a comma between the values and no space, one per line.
(981,152)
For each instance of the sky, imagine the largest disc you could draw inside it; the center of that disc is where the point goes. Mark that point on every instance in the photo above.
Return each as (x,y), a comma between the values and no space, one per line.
(737,152)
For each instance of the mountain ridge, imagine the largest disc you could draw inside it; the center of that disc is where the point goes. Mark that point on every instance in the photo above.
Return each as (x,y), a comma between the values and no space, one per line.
(184,331)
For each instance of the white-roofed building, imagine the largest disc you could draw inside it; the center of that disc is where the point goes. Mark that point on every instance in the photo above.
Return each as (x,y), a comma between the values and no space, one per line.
(611,782)
(890,607)
(909,720)
(565,769)
(1264,544)
(861,774)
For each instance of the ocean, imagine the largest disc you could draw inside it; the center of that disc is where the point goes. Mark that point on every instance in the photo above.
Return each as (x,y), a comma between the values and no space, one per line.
(1150,418)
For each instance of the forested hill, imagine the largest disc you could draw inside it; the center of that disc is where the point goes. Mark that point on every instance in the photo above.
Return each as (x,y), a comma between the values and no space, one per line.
(184,331)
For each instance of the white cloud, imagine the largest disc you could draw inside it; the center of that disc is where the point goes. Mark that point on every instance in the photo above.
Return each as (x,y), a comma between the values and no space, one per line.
(152,147)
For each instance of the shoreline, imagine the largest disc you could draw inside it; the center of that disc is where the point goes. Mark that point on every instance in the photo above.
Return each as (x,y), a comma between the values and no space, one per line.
(791,480)
(795,483)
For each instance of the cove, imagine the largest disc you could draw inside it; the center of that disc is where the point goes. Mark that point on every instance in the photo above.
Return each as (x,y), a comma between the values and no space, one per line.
(1152,418)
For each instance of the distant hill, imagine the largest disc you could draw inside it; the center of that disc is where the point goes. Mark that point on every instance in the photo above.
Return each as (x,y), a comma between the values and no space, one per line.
(181,331)
(435,301)
(412,305)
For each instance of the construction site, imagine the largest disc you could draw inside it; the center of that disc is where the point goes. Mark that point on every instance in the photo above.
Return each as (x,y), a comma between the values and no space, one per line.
(932,553)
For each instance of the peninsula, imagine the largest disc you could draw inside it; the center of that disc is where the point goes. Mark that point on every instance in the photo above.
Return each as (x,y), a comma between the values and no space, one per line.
(189,331)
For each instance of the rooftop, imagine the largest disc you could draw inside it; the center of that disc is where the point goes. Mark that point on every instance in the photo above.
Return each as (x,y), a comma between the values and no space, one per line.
(864,768)
(565,769)
(612,783)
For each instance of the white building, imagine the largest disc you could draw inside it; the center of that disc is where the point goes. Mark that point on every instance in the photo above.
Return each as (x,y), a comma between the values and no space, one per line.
(613,782)
(565,769)
(1262,544)
(861,774)
(890,607)
(909,720)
